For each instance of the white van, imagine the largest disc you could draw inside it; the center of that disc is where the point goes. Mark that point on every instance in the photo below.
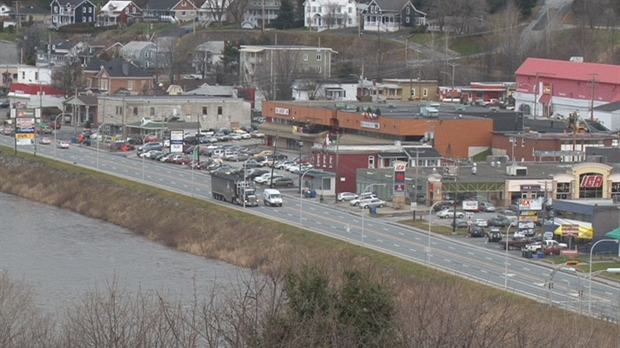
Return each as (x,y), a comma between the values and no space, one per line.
(218,153)
(272,197)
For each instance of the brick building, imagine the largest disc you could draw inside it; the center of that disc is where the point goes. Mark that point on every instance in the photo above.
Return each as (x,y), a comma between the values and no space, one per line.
(118,75)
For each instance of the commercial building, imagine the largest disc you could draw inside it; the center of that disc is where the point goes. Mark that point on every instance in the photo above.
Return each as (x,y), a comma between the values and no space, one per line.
(546,87)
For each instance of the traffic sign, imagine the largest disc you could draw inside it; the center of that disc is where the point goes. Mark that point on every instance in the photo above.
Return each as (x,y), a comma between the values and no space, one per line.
(572,263)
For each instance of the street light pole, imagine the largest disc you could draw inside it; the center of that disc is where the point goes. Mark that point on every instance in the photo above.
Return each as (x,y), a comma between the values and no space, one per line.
(428,248)
(590,272)
(364,209)
(506,261)
(301,197)
(56,131)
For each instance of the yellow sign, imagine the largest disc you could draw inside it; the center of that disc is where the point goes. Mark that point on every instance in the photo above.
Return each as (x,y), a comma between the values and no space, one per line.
(572,263)
(24,136)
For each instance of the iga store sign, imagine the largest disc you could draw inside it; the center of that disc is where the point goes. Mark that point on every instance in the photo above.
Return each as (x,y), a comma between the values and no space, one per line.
(591,181)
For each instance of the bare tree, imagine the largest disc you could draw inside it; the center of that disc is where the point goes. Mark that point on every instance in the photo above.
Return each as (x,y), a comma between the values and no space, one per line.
(217,8)
(68,77)
(506,39)
(275,76)
(21,323)
(331,18)
(237,9)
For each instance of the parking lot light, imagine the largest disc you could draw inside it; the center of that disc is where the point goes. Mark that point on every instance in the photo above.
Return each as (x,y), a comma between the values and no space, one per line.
(506,261)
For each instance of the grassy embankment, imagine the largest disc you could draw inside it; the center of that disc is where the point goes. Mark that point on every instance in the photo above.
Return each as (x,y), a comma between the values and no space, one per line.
(213,231)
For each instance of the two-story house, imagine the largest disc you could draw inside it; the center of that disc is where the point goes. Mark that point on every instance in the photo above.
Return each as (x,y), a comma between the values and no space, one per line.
(213,11)
(325,14)
(119,12)
(141,53)
(391,15)
(207,56)
(60,52)
(117,75)
(170,10)
(72,11)
(254,59)
(259,13)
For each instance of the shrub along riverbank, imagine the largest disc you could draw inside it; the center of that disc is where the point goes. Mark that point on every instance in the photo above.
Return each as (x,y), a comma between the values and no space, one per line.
(431,308)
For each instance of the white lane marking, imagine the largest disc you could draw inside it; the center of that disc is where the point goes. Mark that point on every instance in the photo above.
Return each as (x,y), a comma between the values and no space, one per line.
(526,269)
(448,261)
(470,253)
(415,251)
(465,266)
(488,258)
(451,247)
(318,223)
(385,229)
(396,245)
(379,240)
(402,234)
(416,238)
(483,271)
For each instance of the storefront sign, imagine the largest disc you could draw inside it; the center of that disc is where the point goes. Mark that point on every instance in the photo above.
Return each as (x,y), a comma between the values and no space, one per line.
(371,125)
(283,111)
(530,188)
(591,181)
(470,205)
(530,204)
(570,230)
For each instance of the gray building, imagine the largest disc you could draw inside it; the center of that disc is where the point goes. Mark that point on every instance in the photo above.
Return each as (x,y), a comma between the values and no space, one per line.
(141,53)
(210,112)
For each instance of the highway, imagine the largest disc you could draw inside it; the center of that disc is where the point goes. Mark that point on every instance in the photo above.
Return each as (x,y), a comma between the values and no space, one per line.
(484,265)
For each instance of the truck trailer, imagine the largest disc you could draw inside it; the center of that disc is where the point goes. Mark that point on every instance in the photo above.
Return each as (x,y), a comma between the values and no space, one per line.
(233,187)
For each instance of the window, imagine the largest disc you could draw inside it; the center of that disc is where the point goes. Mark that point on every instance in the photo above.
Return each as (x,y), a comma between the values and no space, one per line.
(127,10)
(319,57)
(204,110)
(219,110)
(83,9)
(325,161)
(371,162)
(407,20)
(305,56)
(36,76)
(183,14)
(135,111)
(350,10)
(152,111)
(563,190)
(331,161)
(408,11)
(119,110)
(130,85)
(55,9)
(425,92)
(23,75)
(318,159)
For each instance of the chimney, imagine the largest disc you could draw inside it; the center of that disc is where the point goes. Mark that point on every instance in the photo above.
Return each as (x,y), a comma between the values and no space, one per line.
(125,68)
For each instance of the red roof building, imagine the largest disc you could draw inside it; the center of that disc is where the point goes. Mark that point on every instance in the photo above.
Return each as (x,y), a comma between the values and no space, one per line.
(546,87)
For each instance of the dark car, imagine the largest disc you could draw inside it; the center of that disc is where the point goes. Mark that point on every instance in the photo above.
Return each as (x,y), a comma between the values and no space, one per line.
(477,232)
(494,234)
(5,104)
(443,205)
(253,173)
(460,223)
(252,163)
(498,222)
(283,182)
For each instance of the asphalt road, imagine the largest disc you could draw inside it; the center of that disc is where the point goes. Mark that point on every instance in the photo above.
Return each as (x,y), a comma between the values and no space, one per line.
(465,257)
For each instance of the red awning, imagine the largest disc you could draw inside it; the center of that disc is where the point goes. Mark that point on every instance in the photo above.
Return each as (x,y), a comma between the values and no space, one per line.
(545,98)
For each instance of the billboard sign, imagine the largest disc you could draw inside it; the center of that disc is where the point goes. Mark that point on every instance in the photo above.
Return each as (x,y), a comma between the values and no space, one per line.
(570,230)
(176,141)
(25,127)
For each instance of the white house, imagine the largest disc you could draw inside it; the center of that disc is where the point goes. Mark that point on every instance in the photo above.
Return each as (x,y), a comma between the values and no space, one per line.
(328,14)
(331,89)
(208,55)
(214,11)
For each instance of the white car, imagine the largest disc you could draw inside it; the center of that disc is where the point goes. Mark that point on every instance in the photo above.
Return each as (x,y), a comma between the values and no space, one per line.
(481,222)
(372,202)
(346,196)
(62,144)
(363,196)
(245,135)
(265,178)
(449,213)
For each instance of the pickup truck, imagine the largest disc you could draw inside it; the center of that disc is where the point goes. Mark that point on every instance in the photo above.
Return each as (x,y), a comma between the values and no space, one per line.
(546,244)
(515,243)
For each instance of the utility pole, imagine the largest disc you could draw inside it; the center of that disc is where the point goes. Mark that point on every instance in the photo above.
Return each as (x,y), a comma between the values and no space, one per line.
(275,147)
(593,87)
(453,65)
(337,164)
(263,16)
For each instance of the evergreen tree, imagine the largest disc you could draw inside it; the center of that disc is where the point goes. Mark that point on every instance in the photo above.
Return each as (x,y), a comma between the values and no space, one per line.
(286,17)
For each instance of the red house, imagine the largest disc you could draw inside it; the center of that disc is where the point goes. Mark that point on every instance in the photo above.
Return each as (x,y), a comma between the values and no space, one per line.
(119,12)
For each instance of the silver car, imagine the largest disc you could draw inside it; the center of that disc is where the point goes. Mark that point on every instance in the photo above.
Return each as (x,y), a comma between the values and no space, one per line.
(346,196)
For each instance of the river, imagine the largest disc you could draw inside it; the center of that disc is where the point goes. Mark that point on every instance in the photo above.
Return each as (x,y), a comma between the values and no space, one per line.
(63,255)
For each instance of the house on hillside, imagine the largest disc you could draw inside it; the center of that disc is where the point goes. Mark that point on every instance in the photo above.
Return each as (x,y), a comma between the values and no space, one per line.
(72,11)
(60,52)
(25,14)
(213,11)
(118,75)
(207,56)
(255,61)
(119,12)
(324,14)
(141,53)
(170,11)
(258,13)
(391,15)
